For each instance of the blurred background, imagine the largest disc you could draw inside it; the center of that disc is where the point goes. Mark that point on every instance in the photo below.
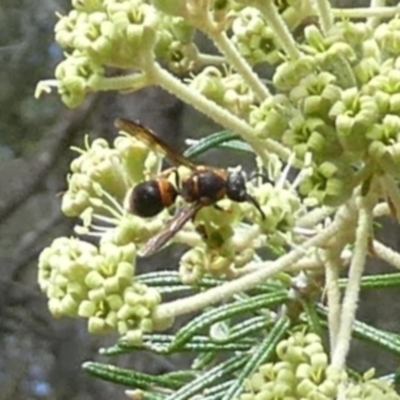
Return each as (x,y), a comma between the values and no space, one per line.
(40,356)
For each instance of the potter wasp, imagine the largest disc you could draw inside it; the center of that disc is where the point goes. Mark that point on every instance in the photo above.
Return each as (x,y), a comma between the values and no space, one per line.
(202,187)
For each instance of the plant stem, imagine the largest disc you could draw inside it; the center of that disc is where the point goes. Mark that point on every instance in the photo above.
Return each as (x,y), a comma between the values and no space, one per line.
(210,59)
(350,300)
(392,191)
(282,34)
(381,209)
(314,217)
(386,254)
(264,270)
(332,268)
(129,82)
(367,12)
(163,78)
(239,64)
(325,15)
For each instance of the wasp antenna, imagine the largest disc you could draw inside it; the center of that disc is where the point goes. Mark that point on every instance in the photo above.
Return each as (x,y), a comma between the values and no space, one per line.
(256,204)
(262,175)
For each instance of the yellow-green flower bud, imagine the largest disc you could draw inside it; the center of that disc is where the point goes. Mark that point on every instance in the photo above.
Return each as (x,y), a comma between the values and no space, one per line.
(395,103)
(76,289)
(111,320)
(192,265)
(304,371)
(305,387)
(292,353)
(218,265)
(94,280)
(97,295)
(282,390)
(69,305)
(252,36)
(319,360)
(244,257)
(313,348)
(54,305)
(125,272)
(87,309)
(181,57)
(382,101)
(387,36)
(209,83)
(97,325)
(286,375)
(270,119)
(132,298)
(356,33)
(289,74)
(255,382)
(72,91)
(125,312)
(115,302)
(366,69)
(140,311)
(152,298)
(314,38)
(112,285)
(328,388)
(134,336)
(146,325)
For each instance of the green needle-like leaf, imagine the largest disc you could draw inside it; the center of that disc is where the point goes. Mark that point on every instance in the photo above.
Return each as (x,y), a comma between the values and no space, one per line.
(255,304)
(246,328)
(217,139)
(361,330)
(380,281)
(162,344)
(260,354)
(207,379)
(129,378)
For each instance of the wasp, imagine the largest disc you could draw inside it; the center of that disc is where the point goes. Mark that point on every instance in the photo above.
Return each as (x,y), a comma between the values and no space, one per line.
(204,186)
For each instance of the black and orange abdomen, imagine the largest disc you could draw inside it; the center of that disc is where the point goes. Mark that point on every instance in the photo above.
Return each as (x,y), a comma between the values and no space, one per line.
(149,198)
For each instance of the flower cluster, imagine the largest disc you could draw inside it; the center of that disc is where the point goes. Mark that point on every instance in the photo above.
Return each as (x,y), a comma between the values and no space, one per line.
(101,176)
(302,371)
(82,280)
(253,37)
(229,90)
(341,106)
(97,284)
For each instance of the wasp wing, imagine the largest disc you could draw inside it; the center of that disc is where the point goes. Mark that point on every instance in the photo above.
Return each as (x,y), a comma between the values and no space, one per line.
(153,141)
(173,226)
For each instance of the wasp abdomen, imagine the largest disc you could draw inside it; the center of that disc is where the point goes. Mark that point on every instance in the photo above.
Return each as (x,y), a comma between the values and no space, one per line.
(149,198)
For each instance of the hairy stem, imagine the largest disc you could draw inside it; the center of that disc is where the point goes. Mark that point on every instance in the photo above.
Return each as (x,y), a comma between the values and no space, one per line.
(350,300)
(325,15)
(377,12)
(163,78)
(263,271)
(332,268)
(239,64)
(129,82)
(391,189)
(283,36)
(386,254)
